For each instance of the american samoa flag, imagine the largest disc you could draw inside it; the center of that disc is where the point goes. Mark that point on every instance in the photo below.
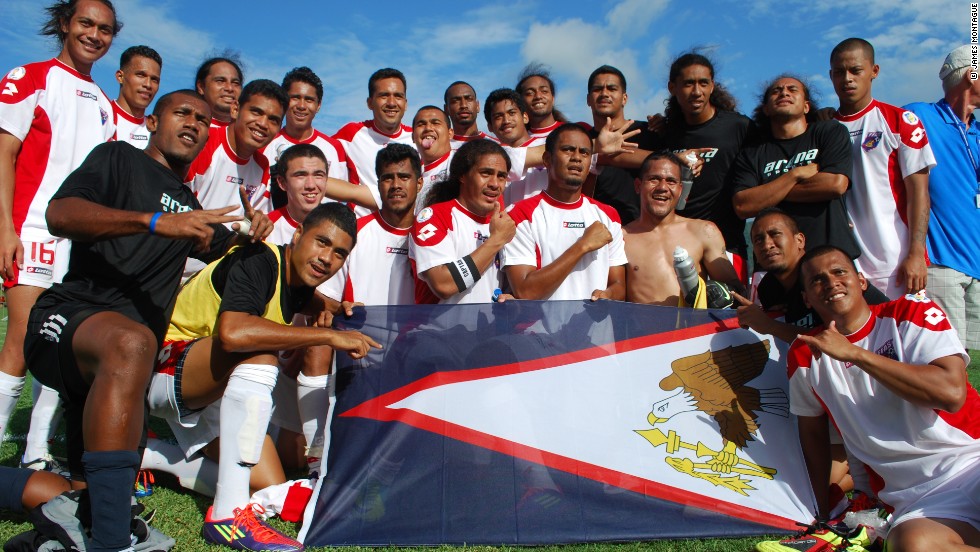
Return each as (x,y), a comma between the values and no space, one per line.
(531,422)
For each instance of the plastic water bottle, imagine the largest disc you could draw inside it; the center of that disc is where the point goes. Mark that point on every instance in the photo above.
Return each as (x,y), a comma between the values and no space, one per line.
(687,273)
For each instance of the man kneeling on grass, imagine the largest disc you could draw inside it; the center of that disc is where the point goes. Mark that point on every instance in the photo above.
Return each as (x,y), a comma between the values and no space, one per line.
(228,325)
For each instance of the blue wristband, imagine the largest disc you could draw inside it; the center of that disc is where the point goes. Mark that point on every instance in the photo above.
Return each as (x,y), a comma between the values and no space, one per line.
(153,222)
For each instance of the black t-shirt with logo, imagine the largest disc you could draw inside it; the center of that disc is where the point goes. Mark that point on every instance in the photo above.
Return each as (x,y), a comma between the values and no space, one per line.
(825,143)
(711,194)
(139,274)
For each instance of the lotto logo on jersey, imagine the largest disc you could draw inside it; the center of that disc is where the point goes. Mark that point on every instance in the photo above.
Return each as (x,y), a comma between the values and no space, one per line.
(567,224)
(871,141)
(86,95)
(397,250)
(934,316)
(38,270)
(234,180)
(481,236)
(917,135)
(139,137)
(426,232)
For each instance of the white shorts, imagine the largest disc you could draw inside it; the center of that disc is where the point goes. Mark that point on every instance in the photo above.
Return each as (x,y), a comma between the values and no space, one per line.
(193,429)
(45,263)
(957,499)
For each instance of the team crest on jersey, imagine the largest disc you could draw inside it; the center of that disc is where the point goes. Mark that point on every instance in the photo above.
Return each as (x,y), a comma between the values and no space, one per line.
(424,214)
(105,116)
(871,141)
(918,297)
(250,190)
(910,118)
(16,73)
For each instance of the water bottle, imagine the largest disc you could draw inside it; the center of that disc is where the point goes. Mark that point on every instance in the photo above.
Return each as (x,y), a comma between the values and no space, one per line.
(687,273)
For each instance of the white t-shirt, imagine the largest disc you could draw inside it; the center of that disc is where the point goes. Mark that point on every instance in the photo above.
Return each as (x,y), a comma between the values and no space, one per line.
(362,142)
(377,271)
(59,115)
(546,228)
(130,129)
(283,227)
(909,448)
(215,175)
(887,144)
(442,234)
(339,165)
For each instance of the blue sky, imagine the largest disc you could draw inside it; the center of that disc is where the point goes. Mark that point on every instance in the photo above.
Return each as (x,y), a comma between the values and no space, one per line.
(487,44)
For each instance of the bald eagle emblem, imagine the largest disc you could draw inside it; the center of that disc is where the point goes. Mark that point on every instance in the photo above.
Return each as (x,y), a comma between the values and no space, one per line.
(715,383)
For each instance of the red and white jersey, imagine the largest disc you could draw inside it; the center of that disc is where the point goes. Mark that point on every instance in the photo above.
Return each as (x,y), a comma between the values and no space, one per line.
(546,228)
(458,139)
(283,227)
(887,144)
(214,177)
(362,142)
(442,234)
(130,129)
(59,115)
(216,173)
(517,188)
(377,271)
(217,125)
(433,172)
(525,181)
(910,449)
(545,131)
(339,166)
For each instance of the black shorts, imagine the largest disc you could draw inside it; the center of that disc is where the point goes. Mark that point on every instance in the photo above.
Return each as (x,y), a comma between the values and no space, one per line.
(51,360)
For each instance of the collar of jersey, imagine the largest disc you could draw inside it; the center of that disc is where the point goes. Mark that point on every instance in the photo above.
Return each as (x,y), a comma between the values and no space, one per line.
(561,204)
(471,214)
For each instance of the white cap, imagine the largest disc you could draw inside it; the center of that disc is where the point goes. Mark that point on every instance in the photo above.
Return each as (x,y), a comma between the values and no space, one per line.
(957,59)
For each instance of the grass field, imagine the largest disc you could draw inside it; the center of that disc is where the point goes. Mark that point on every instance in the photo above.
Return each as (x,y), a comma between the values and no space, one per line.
(180,513)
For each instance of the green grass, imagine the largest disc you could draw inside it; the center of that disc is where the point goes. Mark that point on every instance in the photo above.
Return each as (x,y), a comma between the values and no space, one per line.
(180,513)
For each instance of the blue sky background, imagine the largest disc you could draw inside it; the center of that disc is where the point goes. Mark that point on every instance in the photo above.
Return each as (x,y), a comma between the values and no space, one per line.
(487,44)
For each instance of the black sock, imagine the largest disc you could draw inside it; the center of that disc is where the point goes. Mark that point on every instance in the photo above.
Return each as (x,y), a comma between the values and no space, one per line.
(110,476)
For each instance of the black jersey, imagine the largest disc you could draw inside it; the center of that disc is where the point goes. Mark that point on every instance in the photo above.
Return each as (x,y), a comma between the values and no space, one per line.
(711,195)
(614,186)
(137,274)
(825,143)
(246,279)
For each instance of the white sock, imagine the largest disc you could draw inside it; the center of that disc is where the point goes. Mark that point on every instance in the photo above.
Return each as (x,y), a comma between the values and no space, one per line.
(10,388)
(45,417)
(199,474)
(859,474)
(246,408)
(313,401)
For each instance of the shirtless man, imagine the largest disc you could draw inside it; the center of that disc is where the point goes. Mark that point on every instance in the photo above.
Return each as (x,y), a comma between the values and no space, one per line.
(651,238)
